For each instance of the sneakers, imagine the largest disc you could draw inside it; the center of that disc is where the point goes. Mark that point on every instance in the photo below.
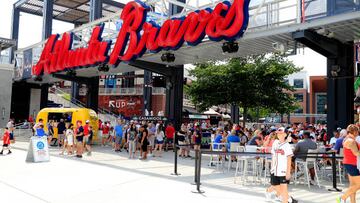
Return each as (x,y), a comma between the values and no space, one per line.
(268,196)
(1,153)
(340,200)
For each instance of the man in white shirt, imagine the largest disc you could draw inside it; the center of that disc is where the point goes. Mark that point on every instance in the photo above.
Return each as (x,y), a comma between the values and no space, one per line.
(336,134)
(280,168)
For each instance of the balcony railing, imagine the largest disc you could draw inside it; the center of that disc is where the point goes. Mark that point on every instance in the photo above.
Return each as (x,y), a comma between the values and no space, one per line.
(130,91)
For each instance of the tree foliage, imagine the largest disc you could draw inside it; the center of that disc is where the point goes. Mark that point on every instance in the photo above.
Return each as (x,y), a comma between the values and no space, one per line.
(250,82)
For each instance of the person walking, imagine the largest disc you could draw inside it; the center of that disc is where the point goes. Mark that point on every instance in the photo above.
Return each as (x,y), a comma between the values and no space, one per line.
(159,141)
(280,168)
(10,125)
(131,140)
(79,134)
(105,133)
(87,140)
(351,154)
(50,128)
(6,141)
(119,131)
(169,133)
(61,132)
(68,140)
(197,137)
(144,141)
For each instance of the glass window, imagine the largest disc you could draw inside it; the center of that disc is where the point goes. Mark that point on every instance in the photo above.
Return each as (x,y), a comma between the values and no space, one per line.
(321,103)
(298,83)
(299,97)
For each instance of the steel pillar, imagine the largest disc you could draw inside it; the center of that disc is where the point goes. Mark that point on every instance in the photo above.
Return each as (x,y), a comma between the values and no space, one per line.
(95,10)
(147,91)
(47,18)
(174,95)
(14,31)
(235,114)
(340,88)
(44,95)
(92,100)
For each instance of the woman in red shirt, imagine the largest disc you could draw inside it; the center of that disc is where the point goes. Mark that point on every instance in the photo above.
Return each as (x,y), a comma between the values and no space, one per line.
(351,153)
(6,141)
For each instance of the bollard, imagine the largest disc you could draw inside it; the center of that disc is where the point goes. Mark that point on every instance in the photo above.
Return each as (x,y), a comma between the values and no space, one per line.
(175,161)
(197,172)
(196,167)
(333,164)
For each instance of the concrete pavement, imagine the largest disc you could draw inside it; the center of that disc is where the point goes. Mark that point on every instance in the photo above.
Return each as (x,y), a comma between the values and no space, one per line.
(107,176)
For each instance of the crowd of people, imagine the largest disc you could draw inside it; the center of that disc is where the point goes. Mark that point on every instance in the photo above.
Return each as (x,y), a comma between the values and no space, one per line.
(142,139)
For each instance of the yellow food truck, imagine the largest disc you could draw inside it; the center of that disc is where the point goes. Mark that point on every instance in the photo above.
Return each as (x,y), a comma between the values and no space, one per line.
(70,115)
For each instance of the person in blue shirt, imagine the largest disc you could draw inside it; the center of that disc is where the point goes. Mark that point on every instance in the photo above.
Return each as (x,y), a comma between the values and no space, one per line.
(40,132)
(218,139)
(339,142)
(232,138)
(118,136)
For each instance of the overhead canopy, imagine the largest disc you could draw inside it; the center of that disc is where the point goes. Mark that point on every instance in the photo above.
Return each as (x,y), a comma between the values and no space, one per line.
(72,11)
(6,43)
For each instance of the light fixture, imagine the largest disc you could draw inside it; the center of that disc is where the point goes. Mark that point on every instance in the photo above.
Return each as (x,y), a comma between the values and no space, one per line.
(71,73)
(103,68)
(38,78)
(230,47)
(168,57)
(335,69)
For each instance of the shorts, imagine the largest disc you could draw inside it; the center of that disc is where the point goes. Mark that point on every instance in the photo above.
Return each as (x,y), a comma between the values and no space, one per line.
(352,170)
(61,136)
(118,140)
(159,142)
(80,139)
(151,140)
(277,180)
(5,145)
(169,140)
(86,139)
(105,135)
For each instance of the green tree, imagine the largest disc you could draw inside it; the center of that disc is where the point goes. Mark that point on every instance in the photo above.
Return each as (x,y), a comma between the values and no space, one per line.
(250,82)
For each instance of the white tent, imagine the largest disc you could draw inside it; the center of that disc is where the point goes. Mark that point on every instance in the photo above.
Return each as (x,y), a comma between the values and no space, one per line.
(211,112)
(226,116)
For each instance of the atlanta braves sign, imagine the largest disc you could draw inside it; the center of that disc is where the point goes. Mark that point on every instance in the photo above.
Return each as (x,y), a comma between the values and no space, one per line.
(225,22)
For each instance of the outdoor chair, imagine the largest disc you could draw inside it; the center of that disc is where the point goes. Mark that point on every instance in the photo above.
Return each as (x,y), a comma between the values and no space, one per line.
(304,165)
(233,148)
(217,159)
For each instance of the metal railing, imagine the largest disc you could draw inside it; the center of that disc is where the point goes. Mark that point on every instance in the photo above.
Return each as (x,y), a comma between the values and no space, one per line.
(131,91)
(58,96)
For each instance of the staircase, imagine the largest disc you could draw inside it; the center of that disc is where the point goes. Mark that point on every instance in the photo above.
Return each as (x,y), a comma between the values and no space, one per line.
(58,96)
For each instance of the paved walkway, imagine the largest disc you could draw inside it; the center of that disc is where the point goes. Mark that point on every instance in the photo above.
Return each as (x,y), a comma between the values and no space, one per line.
(107,176)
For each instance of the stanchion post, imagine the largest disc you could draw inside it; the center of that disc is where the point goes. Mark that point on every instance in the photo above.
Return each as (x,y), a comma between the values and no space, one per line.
(196,167)
(333,164)
(199,174)
(175,161)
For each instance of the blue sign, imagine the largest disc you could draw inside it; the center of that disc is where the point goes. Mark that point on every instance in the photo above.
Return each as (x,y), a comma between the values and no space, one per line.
(40,145)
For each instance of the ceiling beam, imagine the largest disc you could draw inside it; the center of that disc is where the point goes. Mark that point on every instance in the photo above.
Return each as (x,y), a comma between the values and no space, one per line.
(20,3)
(114,3)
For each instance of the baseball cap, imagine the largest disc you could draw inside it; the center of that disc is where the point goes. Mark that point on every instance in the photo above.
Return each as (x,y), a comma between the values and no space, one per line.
(87,121)
(280,130)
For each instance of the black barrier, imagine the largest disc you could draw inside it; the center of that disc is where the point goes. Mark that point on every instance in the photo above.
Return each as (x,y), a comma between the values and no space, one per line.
(198,157)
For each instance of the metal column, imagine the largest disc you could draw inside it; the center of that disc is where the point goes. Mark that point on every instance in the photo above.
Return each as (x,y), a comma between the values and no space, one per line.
(47,18)
(44,96)
(340,88)
(174,95)
(235,114)
(147,91)
(95,10)
(93,94)
(14,31)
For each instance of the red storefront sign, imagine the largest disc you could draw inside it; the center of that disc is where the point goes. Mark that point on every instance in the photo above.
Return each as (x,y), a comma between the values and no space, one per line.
(125,105)
(225,22)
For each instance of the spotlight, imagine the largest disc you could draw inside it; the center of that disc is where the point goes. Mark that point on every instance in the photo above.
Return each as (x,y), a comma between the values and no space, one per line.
(103,68)
(168,57)
(335,70)
(71,73)
(38,79)
(230,47)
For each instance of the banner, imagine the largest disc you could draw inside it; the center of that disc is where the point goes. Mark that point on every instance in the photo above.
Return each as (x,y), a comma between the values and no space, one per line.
(38,150)
(27,65)
(127,106)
